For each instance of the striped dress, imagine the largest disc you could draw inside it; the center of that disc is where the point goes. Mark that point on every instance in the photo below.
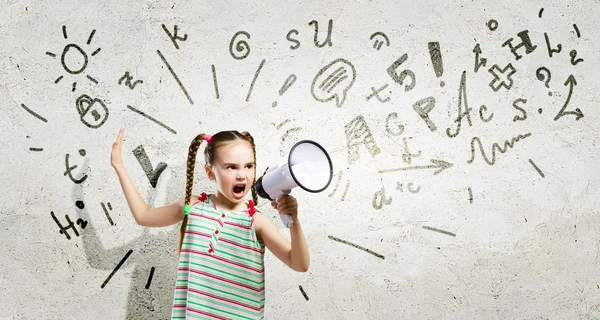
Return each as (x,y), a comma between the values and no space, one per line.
(221,265)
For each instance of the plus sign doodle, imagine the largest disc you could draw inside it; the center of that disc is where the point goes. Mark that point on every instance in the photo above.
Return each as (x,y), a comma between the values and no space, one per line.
(503,76)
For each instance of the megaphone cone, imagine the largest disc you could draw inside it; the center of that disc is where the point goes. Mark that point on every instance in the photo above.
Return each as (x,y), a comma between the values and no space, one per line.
(308,167)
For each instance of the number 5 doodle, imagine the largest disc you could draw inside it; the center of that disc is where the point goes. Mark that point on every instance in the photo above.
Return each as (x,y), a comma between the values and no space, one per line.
(391,70)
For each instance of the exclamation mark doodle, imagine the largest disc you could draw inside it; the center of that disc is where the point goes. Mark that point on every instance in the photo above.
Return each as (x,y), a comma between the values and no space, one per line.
(286,85)
(436,59)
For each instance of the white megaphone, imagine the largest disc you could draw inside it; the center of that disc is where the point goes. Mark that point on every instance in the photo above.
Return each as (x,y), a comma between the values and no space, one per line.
(308,167)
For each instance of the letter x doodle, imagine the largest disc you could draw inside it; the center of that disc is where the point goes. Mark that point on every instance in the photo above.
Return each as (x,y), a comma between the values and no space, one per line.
(503,80)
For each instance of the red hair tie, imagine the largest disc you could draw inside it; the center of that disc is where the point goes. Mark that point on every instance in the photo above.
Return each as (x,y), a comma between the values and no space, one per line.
(203,197)
(207,138)
(251,211)
(243,133)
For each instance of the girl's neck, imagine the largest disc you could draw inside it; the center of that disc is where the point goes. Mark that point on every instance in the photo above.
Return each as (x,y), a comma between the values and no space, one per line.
(223,203)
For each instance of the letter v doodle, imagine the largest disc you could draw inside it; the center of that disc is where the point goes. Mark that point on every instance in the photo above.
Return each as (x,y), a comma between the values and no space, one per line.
(151,173)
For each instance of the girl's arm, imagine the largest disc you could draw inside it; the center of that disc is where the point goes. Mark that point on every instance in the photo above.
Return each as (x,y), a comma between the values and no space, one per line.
(294,254)
(143,215)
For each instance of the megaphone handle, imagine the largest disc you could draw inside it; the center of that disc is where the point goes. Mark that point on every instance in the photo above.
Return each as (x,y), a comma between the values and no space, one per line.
(287,220)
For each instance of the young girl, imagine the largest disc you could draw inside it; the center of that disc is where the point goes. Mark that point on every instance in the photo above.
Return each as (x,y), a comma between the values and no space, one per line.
(221,248)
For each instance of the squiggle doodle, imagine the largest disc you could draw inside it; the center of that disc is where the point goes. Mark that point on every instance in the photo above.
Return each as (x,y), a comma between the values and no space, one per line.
(495,147)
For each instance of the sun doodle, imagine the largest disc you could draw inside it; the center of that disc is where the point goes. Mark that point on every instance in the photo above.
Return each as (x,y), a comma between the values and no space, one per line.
(73,59)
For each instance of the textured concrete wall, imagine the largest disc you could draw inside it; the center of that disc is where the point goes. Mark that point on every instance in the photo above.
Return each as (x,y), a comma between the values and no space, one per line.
(463,137)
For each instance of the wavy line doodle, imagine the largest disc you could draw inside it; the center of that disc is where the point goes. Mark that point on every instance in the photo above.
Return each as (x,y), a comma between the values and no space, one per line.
(495,147)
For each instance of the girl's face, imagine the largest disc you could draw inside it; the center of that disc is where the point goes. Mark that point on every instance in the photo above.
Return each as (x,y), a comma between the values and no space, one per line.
(233,170)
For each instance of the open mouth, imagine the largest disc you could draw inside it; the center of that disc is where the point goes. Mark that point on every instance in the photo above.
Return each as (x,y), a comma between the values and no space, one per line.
(238,189)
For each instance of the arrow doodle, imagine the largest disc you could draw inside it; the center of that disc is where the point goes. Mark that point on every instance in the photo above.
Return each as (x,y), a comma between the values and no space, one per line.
(479,62)
(577,113)
(440,165)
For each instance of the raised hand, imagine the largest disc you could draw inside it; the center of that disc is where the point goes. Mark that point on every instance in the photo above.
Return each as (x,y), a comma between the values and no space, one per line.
(115,156)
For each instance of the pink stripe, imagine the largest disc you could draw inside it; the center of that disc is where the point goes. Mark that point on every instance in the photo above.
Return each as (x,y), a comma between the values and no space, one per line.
(205,313)
(222,279)
(237,225)
(200,215)
(225,299)
(241,245)
(206,235)
(224,260)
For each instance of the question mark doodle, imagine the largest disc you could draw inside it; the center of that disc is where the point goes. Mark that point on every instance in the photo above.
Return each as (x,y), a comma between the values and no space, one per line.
(543,77)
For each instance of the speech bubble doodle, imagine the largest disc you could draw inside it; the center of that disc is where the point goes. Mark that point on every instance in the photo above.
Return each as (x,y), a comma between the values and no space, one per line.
(333,81)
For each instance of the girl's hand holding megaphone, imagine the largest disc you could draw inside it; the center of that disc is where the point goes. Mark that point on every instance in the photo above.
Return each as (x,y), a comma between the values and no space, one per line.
(286,205)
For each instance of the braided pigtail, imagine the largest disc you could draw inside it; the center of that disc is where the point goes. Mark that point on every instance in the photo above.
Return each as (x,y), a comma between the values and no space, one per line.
(254,194)
(189,182)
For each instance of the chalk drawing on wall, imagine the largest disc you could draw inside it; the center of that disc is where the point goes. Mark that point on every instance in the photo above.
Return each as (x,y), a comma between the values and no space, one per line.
(544,75)
(436,60)
(181,86)
(71,168)
(303,293)
(380,39)
(439,231)
(396,129)
(70,225)
(290,135)
(525,42)
(495,147)
(502,77)
(151,172)
(316,36)
(262,63)
(215,83)
(537,168)
(380,199)
(116,268)
(492,25)
(33,113)
(285,86)
(128,78)
(357,134)
(409,186)
(337,184)
(151,119)
(375,93)
(173,36)
(242,48)
(438,165)
(392,71)
(74,59)
(92,112)
(333,81)
(571,82)
(407,155)
(479,62)
(106,212)
(380,256)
